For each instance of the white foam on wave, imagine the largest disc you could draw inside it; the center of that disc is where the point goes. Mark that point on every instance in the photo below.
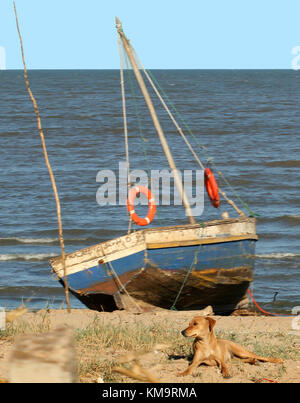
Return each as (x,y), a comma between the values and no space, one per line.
(37,240)
(29,240)
(34,241)
(278,255)
(26,256)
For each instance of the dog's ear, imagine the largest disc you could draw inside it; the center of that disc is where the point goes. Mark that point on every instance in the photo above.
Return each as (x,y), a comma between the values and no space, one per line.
(211,322)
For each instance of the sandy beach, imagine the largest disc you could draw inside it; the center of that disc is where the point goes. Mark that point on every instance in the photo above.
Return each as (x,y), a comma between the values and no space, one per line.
(153,342)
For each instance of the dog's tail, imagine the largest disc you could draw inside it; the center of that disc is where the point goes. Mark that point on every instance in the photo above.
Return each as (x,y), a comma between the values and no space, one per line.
(241,352)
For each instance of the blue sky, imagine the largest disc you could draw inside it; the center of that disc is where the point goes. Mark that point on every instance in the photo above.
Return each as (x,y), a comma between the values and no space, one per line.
(200,34)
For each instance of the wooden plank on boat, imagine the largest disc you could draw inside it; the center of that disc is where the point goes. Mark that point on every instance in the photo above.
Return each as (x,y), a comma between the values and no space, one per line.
(216,231)
(203,241)
(106,251)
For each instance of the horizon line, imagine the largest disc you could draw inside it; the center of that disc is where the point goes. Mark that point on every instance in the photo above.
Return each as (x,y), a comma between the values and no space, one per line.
(156,68)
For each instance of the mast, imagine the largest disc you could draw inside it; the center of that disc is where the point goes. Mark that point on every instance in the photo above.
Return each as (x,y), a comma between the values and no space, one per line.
(156,123)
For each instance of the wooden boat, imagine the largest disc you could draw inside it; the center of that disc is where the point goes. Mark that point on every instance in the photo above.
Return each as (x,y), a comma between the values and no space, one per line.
(179,267)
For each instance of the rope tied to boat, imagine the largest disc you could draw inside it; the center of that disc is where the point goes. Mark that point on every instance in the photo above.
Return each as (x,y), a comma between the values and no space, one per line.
(262,310)
(112,273)
(192,267)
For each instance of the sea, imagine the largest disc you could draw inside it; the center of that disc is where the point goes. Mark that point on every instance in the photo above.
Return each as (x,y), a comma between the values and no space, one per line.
(243,124)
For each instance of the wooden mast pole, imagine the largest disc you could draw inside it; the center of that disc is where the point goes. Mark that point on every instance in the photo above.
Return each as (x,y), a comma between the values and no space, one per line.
(58,209)
(156,123)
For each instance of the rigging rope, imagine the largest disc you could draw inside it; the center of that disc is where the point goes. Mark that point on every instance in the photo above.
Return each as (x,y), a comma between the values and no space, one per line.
(152,78)
(192,266)
(169,112)
(121,51)
(140,128)
(117,279)
(209,160)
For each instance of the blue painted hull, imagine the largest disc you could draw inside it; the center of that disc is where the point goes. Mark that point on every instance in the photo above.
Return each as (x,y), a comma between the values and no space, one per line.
(216,274)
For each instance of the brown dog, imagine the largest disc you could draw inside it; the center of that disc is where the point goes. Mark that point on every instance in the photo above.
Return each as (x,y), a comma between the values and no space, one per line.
(212,351)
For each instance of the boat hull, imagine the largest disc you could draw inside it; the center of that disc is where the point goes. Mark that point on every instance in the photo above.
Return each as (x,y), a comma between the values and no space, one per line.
(182,267)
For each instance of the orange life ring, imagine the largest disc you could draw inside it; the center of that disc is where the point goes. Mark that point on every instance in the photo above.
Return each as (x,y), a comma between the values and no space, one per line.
(211,187)
(130,205)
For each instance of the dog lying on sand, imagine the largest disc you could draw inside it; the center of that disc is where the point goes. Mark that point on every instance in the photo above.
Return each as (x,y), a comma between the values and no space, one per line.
(212,351)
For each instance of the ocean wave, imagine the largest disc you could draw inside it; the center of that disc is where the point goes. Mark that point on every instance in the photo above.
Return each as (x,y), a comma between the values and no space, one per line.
(278,255)
(287,163)
(287,219)
(18,240)
(293,217)
(40,241)
(265,109)
(33,257)
(10,134)
(30,290)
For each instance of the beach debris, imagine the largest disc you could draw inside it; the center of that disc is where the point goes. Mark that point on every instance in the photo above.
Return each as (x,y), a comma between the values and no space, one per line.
(264,380)
(15,314)
(44,358)
(135,369)
(136,372)
(8,317)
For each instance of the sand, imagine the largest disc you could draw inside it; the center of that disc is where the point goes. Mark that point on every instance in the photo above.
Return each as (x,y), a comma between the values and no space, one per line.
(251,331)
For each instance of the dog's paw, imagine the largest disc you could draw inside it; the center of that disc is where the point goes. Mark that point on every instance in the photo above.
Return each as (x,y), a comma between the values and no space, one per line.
(184,373)
(226,374)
